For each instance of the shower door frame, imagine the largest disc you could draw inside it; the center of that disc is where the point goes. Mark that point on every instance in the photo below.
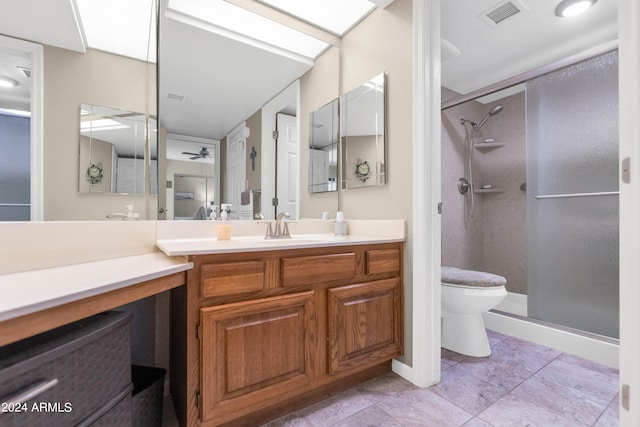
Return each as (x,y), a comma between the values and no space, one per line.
(629,106)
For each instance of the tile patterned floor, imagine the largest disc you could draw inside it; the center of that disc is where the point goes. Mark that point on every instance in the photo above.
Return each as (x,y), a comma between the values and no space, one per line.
(520,384)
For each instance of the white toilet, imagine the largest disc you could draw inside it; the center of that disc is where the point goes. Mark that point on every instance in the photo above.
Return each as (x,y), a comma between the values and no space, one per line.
(466,294)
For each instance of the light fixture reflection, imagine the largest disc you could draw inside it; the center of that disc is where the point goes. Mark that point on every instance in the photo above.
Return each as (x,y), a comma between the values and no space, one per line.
(7,82)
(568,8)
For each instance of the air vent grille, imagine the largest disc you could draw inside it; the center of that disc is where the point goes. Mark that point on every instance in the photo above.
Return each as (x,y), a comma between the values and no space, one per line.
(24,71)
(502,11)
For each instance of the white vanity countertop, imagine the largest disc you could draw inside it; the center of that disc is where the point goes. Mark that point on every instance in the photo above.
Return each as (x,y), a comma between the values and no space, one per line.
(203,246)
(32,291)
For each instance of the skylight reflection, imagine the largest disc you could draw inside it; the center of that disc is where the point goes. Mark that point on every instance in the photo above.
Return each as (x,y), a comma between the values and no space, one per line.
(243,23)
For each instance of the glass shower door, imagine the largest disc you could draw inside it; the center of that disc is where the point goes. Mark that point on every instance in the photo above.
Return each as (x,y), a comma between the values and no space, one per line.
(572,201)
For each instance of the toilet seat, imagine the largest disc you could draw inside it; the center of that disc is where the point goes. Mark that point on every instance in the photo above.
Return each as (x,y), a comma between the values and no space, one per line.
(470,278)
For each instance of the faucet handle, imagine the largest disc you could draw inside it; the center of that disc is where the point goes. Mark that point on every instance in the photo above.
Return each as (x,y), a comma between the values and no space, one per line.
(285,229)
(269,233)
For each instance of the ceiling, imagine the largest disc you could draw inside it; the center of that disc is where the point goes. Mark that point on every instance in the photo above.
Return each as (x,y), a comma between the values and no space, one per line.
(224,80)
(532,38)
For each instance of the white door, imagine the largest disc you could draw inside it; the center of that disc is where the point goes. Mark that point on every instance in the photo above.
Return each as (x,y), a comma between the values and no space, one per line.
(235,168)
(287,165)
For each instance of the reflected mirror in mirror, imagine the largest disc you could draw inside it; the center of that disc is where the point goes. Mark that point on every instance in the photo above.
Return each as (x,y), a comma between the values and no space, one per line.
(362,134)
(113,144)
(323,148)
(192,178)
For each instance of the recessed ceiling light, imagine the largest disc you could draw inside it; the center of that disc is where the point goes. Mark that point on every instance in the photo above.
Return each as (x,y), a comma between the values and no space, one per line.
(7,82)
(568,8)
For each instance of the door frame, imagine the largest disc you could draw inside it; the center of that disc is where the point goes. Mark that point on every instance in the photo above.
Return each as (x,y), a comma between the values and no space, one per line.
(629,102)
(36,53)
(268,113)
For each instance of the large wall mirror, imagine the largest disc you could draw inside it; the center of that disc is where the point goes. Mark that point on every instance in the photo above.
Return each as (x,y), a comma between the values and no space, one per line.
(362,135)
(114,145)
(223,81)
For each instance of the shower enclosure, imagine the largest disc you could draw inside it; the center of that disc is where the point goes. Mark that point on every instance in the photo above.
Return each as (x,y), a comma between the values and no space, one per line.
(550,222)
(572,200)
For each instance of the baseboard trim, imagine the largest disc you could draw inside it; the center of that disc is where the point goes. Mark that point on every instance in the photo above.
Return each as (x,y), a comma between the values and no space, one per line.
(588,346)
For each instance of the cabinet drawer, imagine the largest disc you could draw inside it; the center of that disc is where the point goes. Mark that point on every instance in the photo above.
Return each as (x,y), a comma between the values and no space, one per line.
(308,270)
(383,261)
(232,278)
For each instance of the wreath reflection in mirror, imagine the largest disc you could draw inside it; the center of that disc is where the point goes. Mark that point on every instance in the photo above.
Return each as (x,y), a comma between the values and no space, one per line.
(363,170)
(94,173)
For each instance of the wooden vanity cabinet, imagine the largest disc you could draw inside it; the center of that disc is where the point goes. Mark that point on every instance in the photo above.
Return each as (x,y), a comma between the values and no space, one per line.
(261,334)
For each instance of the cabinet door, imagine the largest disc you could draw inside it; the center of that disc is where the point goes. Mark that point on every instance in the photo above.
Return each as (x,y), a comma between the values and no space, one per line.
(255,351)
(365,324)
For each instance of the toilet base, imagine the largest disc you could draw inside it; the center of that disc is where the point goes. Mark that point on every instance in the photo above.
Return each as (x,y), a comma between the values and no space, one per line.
(465,334)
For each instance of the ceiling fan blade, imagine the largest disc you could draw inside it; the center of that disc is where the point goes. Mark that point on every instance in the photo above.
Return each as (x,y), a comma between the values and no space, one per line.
(195,157)
(189,153)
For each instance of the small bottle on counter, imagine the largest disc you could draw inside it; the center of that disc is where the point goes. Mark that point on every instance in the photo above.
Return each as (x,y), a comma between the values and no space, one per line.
(340,228)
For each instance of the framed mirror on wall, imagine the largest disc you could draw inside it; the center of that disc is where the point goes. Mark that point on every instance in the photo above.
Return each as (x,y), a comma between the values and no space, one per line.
(114,147)
(362,135)
(323,148)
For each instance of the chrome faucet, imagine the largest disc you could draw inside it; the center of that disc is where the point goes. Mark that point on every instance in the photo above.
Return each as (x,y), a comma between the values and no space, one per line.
(281,227)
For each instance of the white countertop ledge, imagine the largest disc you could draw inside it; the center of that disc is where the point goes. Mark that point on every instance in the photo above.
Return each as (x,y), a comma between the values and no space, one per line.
(32,291)
(203,246)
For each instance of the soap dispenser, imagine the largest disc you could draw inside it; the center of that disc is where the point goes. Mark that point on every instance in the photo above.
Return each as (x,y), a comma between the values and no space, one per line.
(340,228)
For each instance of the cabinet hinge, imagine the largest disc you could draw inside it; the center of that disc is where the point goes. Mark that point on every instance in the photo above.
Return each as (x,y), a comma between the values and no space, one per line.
(624,396)
(198,332)
(198,400)
(276,134)
(440,208)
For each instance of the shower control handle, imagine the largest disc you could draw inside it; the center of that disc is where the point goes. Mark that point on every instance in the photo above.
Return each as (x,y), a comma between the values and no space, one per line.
(463,185)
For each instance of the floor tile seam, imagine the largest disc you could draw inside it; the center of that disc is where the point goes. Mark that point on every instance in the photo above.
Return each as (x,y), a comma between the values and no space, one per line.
(559,383)
(559,413)
(537,405)
(586,367)
(509,389)
(458,406)
(391,416)
(354,414)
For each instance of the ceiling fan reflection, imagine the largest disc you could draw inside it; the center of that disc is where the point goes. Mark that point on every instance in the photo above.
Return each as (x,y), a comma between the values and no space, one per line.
(202,154)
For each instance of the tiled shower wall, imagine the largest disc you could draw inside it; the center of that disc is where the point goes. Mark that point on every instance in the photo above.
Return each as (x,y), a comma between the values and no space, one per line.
(494,240)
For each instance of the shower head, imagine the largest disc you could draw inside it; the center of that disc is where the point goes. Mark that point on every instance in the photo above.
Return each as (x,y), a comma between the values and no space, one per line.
(495,110)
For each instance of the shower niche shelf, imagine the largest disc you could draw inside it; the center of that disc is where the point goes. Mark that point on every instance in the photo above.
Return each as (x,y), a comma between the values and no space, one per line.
(485,147)
(489,190)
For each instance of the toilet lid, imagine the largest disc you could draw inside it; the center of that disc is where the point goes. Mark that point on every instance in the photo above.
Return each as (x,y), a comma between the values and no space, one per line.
(457,276)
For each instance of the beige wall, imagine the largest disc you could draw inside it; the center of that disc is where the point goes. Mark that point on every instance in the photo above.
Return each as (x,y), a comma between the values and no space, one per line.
(318,86)
(253,175)
(382,42)
(98,78)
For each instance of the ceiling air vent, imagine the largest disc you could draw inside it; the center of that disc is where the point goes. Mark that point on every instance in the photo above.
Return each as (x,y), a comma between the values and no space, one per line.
(24,71)
(502,11)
